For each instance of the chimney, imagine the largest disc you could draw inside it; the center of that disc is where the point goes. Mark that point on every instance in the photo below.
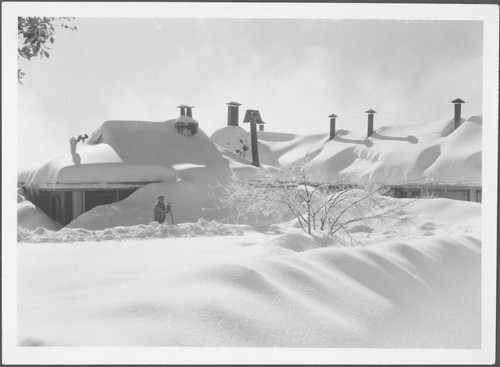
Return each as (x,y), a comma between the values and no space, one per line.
(332,126)
(253,117)
(370,121)
(72,145)
(457,120)
(232,113)
(186,110)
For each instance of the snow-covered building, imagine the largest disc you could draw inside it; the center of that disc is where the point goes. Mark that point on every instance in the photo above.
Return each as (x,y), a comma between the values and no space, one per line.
(439,158)
(116,160)
(122,157)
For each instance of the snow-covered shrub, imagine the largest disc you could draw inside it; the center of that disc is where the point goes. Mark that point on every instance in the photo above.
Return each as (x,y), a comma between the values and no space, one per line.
(277,196)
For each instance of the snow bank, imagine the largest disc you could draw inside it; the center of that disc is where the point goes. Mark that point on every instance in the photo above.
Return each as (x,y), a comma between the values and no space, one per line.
(257,290)
(201,228)
(426,152)
(31,217)
(191,200)
(298,241)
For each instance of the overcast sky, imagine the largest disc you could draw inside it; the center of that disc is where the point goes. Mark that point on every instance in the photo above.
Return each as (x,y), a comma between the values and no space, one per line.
(296,72)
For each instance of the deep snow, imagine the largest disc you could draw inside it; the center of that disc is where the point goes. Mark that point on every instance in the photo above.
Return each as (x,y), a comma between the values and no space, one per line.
(30,217)
(279,288)
(184,168)
(425,152)
(201,228)
(206,283)
(125,152)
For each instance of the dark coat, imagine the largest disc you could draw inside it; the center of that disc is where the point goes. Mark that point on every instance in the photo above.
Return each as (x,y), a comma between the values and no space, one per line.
(160,212)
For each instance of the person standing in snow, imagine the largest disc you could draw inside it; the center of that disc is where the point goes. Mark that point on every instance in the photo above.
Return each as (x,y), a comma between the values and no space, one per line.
(160,210)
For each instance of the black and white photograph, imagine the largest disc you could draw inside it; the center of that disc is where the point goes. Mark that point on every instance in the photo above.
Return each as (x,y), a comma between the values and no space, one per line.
(248,183)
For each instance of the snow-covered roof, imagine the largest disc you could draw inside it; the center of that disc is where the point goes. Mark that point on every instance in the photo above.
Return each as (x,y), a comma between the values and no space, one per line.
(133,152)
(428,152)
(125,152)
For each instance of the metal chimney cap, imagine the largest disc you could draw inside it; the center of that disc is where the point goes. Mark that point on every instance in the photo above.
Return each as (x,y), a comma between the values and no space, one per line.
(185,106)
(333,115)
(371,111)
(249,114)
(233,104)
(458,100)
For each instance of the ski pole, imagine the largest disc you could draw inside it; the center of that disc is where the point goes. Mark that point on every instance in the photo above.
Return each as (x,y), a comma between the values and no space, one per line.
(171,215)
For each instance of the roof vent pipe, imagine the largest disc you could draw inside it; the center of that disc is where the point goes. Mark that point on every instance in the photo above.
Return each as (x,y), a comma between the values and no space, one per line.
(332,126)
(370,121)
(457,119)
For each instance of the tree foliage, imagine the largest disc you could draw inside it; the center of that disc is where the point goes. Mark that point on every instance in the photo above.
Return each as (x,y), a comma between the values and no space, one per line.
(35,34)
(277,196)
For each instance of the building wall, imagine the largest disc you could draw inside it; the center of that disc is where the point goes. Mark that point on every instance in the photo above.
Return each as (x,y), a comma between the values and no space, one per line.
(447,192)
(452,194)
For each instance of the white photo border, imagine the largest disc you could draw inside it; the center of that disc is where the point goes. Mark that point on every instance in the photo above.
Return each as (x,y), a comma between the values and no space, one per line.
(12,354)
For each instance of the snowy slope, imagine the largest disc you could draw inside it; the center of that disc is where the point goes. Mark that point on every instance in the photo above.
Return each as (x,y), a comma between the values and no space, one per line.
(262,290)
(426,152)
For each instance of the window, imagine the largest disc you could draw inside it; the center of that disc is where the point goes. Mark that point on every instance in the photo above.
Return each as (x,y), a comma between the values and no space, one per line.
(125,193)
(68,207)
(452,194)
(101,197)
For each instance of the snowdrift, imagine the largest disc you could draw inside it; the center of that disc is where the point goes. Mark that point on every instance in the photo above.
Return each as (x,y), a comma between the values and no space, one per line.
(31,218)
(427,152)
(191,200)
(261,290)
